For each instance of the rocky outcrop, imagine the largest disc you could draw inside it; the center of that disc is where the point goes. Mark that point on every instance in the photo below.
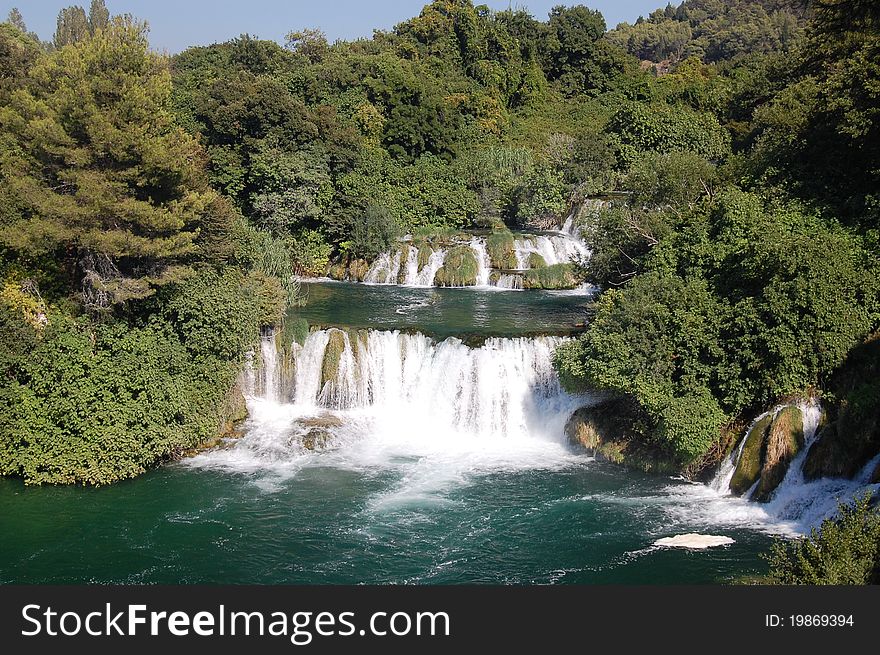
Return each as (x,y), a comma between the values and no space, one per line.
(558,276)
(459,268)
(771,444)
(316,432)
(784,440)
(350,269)
(502,253)
(332,355)
(852,439)
(748,467)
(606,431)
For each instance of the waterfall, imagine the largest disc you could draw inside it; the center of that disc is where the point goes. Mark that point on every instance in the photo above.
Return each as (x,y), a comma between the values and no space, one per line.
(555,249)
(412,267)
(509,281)
(504,389)
(484,265)
(269,369)
(397,267)
(384,270)
(569,227)
(797,504)
(425,277)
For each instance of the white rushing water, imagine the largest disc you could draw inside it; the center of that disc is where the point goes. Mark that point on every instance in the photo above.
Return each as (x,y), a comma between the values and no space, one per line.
(484,265)
(439,411)
(439,414)
(797,505)
(554,249)
(385,270)
(561,247)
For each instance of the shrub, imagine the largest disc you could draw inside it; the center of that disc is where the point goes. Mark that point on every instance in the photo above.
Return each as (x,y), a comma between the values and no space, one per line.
(844,551)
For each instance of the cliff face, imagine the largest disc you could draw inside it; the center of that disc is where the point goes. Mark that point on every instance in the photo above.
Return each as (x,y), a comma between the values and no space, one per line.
(852,437)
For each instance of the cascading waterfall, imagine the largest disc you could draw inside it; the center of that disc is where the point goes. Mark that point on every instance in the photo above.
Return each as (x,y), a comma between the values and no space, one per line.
(509,281)
(384,270)
(368,393)
(484,264)
(555,249)
(797,504)
(397,267)
(425,278)
(506,388)
(269,369)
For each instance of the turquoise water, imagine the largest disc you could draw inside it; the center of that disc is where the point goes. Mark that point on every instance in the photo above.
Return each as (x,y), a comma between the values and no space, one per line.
(444,312)
(460,474)
(582,523)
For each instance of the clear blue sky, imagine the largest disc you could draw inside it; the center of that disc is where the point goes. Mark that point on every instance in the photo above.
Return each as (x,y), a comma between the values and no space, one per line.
(176,25)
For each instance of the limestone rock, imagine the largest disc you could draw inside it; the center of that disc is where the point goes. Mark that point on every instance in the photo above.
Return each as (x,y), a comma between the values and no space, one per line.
(784,441)
(332,354)
(748,468)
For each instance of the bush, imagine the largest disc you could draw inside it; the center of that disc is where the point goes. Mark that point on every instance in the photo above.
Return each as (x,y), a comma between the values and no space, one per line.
(558,276)
(94,404)
(372,233)
(663,128)
(844,551)
(459,268)
(501,250)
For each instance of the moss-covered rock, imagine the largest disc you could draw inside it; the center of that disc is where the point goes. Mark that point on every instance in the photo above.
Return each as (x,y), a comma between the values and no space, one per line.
(294,329)
(354,270)
(558,276)
(337,271)
(606,431)
(316,432)
(425,253)
(332,355)
(500,246)
(748,467)
(536,261)
(784,440)
(828,456)
(459,268)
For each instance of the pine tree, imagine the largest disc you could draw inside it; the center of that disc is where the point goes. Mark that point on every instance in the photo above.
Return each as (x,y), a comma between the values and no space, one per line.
(103,179)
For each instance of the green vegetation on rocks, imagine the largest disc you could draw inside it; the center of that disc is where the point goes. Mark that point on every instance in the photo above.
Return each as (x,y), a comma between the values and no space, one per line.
(536,261)
(748,466)
(784,440)
(558,276)
(459,268)
(499,245)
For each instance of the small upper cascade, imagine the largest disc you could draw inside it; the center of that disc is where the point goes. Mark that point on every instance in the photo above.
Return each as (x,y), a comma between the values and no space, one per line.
(470,261)
(384,270)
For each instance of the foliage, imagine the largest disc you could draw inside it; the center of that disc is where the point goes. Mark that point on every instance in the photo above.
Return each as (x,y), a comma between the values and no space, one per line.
(735,304)
(94,404)
(845,550)
(104,180)
(664,128)
(557,276)
(713,30)
(459,268)
(372,233)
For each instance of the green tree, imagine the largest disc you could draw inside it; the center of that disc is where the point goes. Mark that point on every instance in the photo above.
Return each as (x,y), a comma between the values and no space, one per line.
(72,27)
(105,181)
(16,20)
(844,550)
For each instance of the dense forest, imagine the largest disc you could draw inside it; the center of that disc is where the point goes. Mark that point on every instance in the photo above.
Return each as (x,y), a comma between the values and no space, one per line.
(156,212)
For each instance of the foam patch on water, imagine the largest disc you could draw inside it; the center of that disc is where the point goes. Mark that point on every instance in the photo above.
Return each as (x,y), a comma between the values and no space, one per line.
(694,541)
